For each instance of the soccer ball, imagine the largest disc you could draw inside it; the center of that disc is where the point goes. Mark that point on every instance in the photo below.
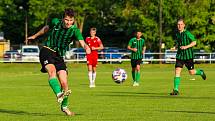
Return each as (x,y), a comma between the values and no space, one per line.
(119,75)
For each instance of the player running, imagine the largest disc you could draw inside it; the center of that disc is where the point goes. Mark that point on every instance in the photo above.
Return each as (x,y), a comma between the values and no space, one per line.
(61,33)
(137,47)
(184,42)
(95,44)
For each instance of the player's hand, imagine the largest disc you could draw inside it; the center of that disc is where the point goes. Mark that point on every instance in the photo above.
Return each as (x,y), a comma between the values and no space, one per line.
(135,49)
(183,47)
(93,48)
(29,38)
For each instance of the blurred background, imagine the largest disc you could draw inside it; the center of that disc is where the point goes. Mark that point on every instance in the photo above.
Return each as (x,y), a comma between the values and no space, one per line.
(116,21)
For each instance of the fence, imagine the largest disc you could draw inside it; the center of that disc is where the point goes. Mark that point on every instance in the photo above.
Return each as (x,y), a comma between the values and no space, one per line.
(122,57)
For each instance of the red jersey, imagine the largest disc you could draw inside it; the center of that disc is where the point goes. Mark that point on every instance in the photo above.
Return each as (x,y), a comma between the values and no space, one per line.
(93,42)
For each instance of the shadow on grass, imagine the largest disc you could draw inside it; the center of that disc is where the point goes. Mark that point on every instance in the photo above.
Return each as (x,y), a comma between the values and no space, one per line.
(152,95)
(17,112)
(193,112)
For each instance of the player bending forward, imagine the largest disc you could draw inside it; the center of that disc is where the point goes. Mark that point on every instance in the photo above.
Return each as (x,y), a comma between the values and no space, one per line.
(60,34)
(95,44)
(185,42)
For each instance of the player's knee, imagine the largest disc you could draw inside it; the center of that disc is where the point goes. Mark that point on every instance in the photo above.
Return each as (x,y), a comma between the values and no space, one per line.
(52,73)
(191,72)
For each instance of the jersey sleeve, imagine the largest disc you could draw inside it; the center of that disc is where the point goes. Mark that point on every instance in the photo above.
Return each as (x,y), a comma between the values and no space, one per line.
(53,22)
(191,37)
(99,41)
(78,35)
(130,42)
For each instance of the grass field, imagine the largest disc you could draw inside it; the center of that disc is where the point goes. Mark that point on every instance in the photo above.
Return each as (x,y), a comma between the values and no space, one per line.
(26,96)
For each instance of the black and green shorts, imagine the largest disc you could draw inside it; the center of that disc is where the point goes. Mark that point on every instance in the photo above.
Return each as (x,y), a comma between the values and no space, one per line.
(48,56)
(135,62)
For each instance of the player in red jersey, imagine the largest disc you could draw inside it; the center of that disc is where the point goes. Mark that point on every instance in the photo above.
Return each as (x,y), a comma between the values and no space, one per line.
(95,44)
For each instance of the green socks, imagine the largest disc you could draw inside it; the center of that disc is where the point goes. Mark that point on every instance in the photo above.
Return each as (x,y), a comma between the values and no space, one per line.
(137,75)
(53,82)
(198,72)
(65,102)
(133,76)
(176,82)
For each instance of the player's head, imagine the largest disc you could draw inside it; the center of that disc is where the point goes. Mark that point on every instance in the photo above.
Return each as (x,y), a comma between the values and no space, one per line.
(138,34)
(92,31)
(181,24)
(68,18)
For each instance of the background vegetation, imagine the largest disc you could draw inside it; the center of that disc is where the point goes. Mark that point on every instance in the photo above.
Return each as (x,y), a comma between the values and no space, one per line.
(116,20)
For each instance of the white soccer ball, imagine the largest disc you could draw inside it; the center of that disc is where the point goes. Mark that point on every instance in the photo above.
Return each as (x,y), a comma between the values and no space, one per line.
(119,75)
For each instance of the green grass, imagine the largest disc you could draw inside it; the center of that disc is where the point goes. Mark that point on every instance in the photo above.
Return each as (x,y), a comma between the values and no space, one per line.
(26,96)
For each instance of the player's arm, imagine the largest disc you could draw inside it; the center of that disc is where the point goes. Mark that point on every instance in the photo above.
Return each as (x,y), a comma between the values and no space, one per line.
(85,46)
(193,43)
(39,33)
(100,46)
(132,49)
(144,49)
(129,46)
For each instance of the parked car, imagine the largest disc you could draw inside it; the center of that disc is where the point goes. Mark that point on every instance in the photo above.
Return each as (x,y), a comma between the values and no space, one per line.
(148,55)
(171,55)
(200,54)
(12,55)
(30,53)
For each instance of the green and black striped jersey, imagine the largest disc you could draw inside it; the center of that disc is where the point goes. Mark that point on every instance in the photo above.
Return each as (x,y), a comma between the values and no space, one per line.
(139,44)
(59,37)
(182,39)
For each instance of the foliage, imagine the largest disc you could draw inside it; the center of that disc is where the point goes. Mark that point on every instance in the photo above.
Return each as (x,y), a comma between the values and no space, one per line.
(116,20)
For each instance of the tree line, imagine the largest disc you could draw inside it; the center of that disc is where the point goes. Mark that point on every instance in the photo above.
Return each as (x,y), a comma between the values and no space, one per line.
(115,20)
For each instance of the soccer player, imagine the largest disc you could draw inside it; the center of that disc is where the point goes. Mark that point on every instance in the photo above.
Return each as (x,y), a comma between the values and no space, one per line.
(95,44)
(184,43)
(61,33)
(137,47)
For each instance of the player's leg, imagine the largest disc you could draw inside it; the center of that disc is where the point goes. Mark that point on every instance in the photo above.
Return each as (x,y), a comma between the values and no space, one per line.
(90,70)
(94,75)
(62,75)
(133,65)
(95,61)
(53,81)
(90,75)
(178,67)
(190,66)
(137,72)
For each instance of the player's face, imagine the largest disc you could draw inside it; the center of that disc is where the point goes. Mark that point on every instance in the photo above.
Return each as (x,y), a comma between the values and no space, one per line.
(181,26)
(68,21)
(139,34)
(92,33)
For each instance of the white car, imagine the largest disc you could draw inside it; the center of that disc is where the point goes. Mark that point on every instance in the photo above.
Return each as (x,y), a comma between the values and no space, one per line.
(30,53)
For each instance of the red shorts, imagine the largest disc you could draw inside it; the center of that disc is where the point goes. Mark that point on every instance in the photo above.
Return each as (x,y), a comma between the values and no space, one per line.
(92,60)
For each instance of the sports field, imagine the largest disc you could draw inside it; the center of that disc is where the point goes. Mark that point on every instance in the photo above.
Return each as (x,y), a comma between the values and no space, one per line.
(26,96)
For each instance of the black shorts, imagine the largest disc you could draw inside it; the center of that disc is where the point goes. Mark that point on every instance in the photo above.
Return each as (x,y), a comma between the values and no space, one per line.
(188,63)
(47,56)
(135,62)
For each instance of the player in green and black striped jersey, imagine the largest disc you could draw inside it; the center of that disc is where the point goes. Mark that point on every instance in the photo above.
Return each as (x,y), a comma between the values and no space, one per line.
(184,41)
(137,47)
(61,32)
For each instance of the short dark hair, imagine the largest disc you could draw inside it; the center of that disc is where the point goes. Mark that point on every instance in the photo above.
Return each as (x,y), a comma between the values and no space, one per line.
(69,12)
(181,19)
(92,29)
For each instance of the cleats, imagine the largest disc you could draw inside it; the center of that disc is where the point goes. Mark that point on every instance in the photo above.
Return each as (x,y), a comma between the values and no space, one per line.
(67,111)
(203,75)
(92,85)
(174,92)
(61,95)
(136,84)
